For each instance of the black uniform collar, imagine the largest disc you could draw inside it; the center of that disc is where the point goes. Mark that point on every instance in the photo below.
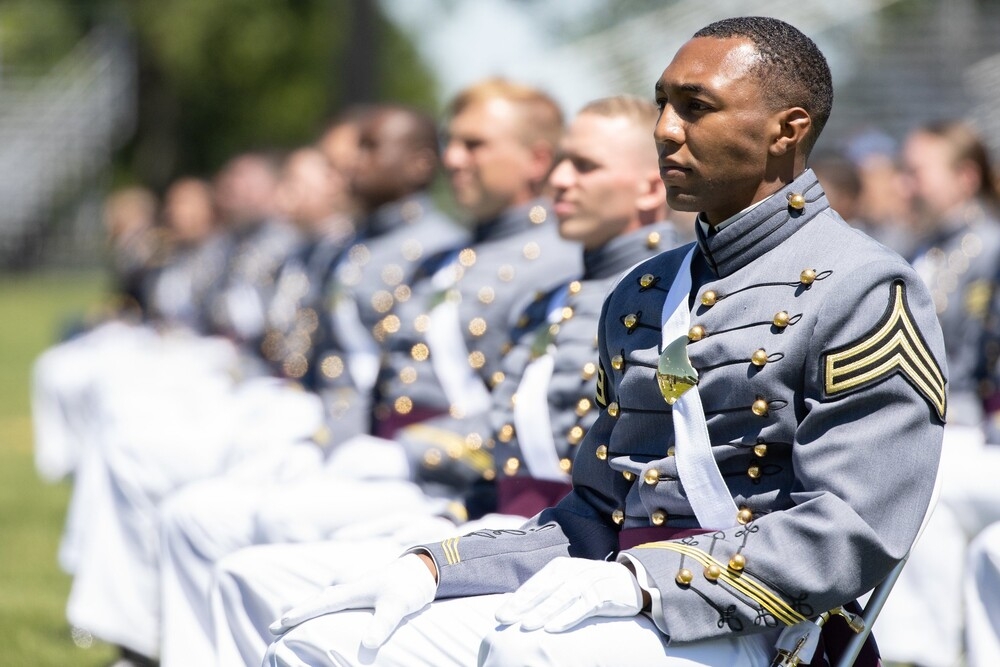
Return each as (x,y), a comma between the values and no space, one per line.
(389,216)
(623,252)
(763,228)
(514,220)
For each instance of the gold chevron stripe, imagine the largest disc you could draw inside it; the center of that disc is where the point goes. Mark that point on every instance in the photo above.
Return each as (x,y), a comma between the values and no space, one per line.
(601,393)
(450,547)
(893,347)
(452,443)
(739,581)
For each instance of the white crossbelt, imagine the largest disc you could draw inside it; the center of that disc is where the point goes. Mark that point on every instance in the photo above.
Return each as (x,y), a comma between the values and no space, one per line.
(698,471)
(449,353)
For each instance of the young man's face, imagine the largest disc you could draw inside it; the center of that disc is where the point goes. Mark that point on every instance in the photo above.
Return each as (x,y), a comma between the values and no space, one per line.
(598,178)
(487,161)
(714,128)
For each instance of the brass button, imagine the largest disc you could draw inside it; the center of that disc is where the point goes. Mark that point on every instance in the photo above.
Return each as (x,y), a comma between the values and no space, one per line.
(589,370)
(759,357)
(618,517)
(697,332)
(575,435)
(759,407)
(737,562)
(760,450)
(807,277)
(630,321)
(505,433)
(602,452)
(658,518)
(709,298)
(753,472)
(617,362)
(511,466)
(647,280)
(628,475)
(567,313)
(780,319)
(653,240)
(497,378)
(671,451)
(403,405)
(713,572)
(651,476)
(797,201)
(432,458)
(744,516)
(613,409)
(583,407)
(565,465)
(574,287)
(684,577)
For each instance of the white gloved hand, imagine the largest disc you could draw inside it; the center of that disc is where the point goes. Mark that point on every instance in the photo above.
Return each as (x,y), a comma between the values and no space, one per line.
(404,587)
(569,590)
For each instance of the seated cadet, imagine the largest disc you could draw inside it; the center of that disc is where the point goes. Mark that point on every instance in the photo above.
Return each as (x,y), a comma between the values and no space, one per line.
(772,402)
(502,139)
(609,197)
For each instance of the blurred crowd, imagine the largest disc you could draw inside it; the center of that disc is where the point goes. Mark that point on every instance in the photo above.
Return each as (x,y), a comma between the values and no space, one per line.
(309,359)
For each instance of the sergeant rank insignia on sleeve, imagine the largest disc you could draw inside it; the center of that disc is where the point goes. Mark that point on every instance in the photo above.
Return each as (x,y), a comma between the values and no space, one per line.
(893,346)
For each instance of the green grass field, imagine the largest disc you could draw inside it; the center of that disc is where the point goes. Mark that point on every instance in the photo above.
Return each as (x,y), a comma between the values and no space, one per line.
(33,590)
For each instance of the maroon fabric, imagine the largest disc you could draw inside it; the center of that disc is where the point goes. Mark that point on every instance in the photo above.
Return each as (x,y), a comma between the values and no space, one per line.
(631,537)
(386,428)
(835,637)
(527,496)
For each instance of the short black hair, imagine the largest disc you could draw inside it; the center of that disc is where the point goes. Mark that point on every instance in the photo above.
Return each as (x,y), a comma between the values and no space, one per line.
(791,65)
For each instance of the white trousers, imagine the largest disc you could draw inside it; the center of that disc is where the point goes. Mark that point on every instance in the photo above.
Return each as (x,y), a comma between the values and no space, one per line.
(923,619)
(254,586)
(158,438)
(464,632)
(288,495)
(982,600)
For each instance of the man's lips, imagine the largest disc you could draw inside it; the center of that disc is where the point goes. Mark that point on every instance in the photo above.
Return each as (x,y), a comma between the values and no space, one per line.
(672,170)
(561,207)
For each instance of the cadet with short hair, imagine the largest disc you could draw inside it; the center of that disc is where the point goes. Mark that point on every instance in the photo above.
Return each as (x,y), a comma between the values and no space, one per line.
(772,402)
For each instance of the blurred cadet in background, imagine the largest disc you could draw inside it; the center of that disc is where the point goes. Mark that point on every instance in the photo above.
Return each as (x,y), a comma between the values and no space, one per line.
(134,244)
(440,340)
(951,186)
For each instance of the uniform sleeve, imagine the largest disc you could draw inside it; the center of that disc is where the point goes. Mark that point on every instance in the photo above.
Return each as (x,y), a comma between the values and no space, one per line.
(865,456)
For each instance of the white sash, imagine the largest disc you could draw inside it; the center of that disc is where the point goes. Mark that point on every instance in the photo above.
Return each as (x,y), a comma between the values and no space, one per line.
(533,423)
(699,473)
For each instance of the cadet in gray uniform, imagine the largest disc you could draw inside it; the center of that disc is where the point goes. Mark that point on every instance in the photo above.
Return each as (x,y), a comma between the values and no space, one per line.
(772,402)
(609,197)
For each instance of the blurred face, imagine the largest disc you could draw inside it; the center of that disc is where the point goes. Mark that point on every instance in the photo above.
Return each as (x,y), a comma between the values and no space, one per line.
(602,170)
(488,165)
(934,183)
(384,149)
(305,193)
(245,191)
(714,129)
(340,146)
(188,211)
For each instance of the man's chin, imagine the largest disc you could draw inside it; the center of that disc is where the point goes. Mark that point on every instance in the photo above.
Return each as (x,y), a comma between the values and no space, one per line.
(683,201)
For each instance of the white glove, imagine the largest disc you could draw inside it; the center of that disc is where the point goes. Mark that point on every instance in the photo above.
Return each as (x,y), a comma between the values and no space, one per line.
(569,590)
(404,587)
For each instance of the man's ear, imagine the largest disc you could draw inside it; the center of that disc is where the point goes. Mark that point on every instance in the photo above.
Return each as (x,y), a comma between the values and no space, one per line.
(792,127)
(651,194)
(540,163)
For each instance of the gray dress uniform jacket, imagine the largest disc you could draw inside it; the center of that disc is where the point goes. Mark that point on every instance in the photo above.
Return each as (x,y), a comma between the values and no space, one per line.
(821,369)
(371,277)
(469,297)
(959,265)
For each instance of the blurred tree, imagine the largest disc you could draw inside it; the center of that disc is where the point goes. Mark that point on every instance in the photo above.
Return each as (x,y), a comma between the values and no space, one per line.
(221,76)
